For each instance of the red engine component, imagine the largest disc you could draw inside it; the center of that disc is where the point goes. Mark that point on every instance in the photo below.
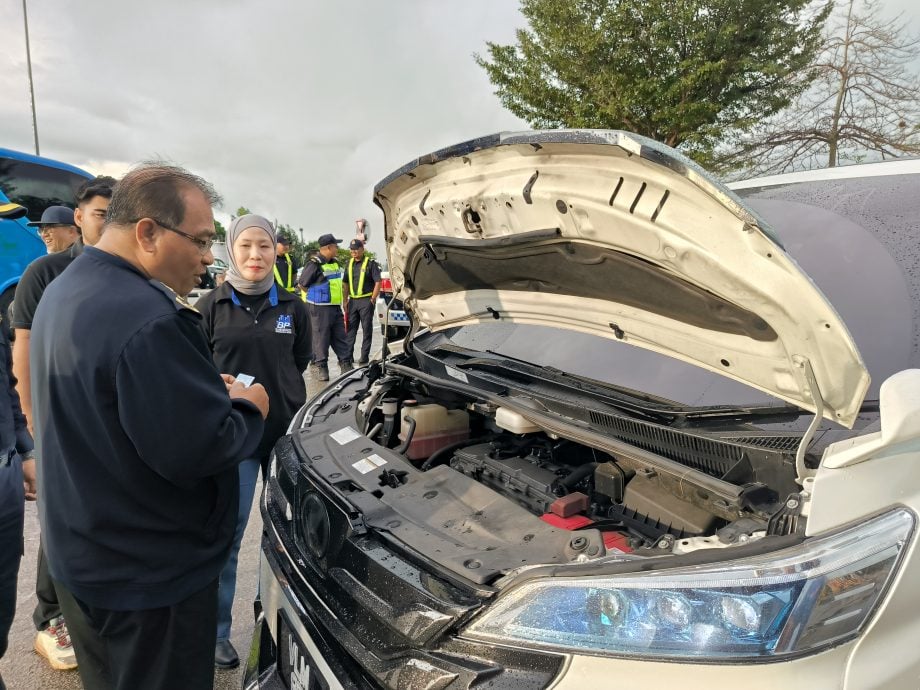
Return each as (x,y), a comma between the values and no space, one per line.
(613,541)
(570,505)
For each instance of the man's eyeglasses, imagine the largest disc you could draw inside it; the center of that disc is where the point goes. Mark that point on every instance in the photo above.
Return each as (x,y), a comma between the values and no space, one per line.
(204,246)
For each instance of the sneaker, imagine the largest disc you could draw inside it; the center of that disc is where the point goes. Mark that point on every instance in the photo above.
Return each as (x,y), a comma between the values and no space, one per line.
(345,366)
(54,644)
(320,372)
(362,362)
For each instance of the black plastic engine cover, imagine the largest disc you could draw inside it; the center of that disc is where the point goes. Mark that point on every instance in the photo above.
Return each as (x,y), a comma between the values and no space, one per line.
(526,480)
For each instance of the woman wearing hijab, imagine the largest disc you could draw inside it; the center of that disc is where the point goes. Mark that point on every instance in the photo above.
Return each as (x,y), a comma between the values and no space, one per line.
(257,330)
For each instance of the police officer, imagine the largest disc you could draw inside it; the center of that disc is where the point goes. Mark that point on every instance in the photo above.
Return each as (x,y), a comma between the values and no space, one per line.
(322,280)
(285,265)
(362,280)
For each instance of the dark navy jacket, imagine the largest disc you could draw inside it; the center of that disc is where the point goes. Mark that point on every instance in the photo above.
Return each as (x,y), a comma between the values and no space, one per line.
(14,439)
(137,440)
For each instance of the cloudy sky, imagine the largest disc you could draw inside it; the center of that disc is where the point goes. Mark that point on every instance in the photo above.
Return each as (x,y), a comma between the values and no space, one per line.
(293,109)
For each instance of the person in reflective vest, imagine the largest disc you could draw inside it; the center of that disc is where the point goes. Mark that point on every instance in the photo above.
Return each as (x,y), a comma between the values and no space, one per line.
(362,282)
(321,279)
(285,265)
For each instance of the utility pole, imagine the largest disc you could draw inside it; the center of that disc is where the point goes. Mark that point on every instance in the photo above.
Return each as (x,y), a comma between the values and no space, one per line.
(25,19)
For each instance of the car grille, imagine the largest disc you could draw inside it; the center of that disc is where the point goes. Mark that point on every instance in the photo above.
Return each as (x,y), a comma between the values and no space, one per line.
(387,616)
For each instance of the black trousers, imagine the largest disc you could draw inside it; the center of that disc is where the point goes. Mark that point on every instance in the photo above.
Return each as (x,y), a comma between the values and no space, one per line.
(328,326)
(360,313)
(156,649)
(10,555)
(47,606)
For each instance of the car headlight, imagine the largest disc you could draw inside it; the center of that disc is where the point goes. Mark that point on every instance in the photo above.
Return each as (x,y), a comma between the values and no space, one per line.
(789,602)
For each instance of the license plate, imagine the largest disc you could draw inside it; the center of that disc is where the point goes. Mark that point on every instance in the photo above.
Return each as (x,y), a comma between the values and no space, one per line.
(296,667)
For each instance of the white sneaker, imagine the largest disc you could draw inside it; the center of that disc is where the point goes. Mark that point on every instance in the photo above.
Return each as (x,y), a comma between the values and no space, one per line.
(54,644)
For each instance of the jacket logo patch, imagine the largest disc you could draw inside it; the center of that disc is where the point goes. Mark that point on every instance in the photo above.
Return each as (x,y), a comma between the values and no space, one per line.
(285,324)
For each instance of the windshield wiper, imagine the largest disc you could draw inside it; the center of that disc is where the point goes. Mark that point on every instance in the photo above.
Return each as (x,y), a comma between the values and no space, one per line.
(753,412)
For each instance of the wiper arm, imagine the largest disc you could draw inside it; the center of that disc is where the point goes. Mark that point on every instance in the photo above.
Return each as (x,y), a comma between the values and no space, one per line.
(759,413)
(662,415)
(754,412)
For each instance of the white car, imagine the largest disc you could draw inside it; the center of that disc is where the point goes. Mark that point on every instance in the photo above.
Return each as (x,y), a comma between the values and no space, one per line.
(652,433)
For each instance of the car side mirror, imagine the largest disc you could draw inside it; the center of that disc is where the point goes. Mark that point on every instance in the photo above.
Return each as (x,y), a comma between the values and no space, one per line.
(899,405)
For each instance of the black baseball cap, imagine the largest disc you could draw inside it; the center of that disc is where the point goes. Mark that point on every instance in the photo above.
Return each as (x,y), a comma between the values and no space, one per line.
(328,239)
(285,240)
(55,215)
(356,244)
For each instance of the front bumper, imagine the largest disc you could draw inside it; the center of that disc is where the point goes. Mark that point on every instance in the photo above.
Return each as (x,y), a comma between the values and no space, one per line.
(330,666)
(304,638)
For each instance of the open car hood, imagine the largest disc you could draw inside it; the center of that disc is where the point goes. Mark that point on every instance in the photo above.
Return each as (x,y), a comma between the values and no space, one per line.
(613,234)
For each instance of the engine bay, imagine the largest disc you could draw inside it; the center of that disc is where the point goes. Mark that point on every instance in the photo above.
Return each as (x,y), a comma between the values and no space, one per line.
(641,498)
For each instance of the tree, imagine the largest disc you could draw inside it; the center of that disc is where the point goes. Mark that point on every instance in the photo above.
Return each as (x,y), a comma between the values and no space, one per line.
(864,104)
(684,72)
(220,231)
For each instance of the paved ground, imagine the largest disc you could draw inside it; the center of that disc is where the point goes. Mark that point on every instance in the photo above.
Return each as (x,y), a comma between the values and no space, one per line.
(23,669)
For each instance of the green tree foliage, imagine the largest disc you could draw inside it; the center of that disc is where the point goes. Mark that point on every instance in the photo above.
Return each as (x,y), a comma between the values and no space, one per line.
(683,72)
(220,230)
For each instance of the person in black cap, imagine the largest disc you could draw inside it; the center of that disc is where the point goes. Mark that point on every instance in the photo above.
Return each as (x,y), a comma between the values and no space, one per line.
(285,265)
(362,285)
(322,280)
(15,444)
(57,228)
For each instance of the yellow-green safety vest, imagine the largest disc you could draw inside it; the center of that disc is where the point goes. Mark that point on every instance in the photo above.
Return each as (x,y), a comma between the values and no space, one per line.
(289,284)
(351,278)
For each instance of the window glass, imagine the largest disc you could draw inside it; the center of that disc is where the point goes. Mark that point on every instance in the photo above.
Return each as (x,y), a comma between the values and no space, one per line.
(37,186)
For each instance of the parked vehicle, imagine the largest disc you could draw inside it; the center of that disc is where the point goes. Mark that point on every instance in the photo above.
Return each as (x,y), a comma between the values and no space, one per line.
(35,183)
(652,433)
(393,319)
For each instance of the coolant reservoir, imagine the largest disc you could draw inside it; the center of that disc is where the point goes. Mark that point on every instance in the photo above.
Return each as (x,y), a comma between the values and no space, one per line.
(512,421)
(435,427)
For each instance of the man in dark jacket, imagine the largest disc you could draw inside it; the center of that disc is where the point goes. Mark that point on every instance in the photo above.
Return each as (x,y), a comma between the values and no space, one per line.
(15,444)
(139,439)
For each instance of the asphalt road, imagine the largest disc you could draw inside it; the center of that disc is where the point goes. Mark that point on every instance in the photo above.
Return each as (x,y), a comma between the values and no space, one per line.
(23,669)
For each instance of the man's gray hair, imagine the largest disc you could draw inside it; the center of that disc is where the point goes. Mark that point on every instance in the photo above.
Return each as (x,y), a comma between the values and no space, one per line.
(154,190)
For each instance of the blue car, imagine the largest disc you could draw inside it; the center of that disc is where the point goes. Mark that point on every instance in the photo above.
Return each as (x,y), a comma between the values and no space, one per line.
(36,183)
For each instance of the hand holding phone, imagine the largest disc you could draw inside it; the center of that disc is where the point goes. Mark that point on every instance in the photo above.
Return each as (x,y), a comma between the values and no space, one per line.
(245,379)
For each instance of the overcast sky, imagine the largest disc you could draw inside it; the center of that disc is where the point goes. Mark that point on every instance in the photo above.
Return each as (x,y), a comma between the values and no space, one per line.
(293,109)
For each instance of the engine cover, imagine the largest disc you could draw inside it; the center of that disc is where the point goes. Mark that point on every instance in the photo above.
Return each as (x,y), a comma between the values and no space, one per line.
(528,480)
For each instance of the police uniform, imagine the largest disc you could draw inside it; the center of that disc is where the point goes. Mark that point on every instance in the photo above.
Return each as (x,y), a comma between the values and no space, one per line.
(286,272)
(323,284)
(360,279)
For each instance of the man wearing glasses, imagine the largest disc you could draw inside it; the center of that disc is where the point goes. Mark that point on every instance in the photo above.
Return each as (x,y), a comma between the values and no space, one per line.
(139,437)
